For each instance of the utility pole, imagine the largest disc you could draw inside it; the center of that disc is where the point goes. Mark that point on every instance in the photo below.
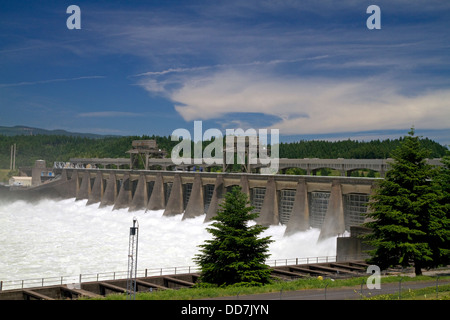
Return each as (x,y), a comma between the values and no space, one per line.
(12,165)
(132,260)
(14,161)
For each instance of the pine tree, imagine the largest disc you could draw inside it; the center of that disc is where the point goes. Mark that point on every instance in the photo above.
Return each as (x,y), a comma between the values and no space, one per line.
(442,227)
(235,254)
(409,223)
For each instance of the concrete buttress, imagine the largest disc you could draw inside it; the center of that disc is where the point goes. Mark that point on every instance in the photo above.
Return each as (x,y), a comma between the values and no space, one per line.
(140,200)
(70,187)
(196,205)
(157,198)
(124,197)
(333,223)
(97,189)
(245,188)
(85,187)
(299,219)
(110,194)
(175,203)
(269,210)
(216,199)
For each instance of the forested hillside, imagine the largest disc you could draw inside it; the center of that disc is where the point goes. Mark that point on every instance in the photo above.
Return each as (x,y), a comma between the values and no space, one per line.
(61,148)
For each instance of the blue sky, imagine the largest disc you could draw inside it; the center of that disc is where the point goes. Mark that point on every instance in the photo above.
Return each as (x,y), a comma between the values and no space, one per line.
(311,69)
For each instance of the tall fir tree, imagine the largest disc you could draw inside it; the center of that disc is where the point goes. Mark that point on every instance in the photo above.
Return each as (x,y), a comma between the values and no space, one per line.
(442,227)
(235,254)
(408,219)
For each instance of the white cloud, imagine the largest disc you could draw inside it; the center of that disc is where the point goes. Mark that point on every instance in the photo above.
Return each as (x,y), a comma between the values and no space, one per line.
(311,105)
(301,102)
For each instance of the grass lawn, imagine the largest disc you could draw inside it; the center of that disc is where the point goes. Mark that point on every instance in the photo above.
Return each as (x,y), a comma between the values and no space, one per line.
(301,284)
(428,293)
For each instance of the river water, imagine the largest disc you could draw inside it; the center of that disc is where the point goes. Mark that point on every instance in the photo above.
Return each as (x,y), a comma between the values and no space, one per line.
(65,237)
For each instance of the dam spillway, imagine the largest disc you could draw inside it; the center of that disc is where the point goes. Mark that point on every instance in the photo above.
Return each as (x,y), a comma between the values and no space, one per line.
(333,204)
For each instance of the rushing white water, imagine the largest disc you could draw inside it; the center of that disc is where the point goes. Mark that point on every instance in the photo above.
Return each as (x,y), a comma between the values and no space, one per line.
(54,238)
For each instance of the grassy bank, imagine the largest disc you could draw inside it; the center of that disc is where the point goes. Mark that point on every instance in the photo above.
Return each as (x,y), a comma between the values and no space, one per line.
(429,293)
(4,177)
(301,284)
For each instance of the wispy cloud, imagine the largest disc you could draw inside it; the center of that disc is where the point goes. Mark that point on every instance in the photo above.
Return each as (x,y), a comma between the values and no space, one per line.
(235,65)
(30,83)
(109,114)
(172,70)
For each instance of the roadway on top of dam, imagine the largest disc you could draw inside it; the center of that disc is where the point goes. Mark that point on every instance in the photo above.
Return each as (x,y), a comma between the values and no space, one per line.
(256,179)
(310,165)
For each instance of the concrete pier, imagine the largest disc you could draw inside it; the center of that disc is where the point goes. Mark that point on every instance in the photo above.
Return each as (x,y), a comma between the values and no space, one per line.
(334,224)
(96,194)
(245,188)
(110,194)
(175,203)
(299,219)
(124,197)
(269,210)
(196,205)
(157,197)
(85,187)
(140,197)
(217,198)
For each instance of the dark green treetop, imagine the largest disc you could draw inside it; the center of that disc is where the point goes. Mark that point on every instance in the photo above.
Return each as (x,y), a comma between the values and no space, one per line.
(235,254)
(409,222)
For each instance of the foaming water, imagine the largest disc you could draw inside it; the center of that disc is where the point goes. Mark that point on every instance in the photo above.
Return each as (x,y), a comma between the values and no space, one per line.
(54,238)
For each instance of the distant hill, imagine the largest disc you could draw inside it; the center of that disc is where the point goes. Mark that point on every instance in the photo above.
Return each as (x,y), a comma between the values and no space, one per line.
(60,145)
(30,131)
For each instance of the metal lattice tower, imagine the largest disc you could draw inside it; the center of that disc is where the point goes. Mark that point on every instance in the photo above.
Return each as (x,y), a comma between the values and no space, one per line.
(132,260)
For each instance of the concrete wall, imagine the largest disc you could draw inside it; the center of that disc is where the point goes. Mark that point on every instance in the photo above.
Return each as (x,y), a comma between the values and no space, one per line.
(130,189)
(353,247)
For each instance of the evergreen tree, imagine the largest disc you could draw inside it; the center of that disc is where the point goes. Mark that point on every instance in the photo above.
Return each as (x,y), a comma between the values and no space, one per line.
(235,254)
(409,223)
(442,242)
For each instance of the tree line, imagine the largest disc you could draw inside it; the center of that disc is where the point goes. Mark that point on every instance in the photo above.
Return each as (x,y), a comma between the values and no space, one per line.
(62,147)
(351,149)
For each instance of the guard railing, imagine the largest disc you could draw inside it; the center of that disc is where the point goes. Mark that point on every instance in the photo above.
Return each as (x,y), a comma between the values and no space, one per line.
(149,272)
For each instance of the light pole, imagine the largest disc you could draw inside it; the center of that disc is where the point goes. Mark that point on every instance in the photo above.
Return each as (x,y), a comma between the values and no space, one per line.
(132,260)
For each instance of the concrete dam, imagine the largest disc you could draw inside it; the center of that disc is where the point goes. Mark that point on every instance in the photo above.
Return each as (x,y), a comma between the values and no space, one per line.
(333,204)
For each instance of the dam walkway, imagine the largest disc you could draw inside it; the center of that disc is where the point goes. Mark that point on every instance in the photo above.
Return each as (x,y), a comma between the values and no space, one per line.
(102,285)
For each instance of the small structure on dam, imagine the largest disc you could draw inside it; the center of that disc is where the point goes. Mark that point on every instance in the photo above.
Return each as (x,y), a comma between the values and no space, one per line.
(143,150)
